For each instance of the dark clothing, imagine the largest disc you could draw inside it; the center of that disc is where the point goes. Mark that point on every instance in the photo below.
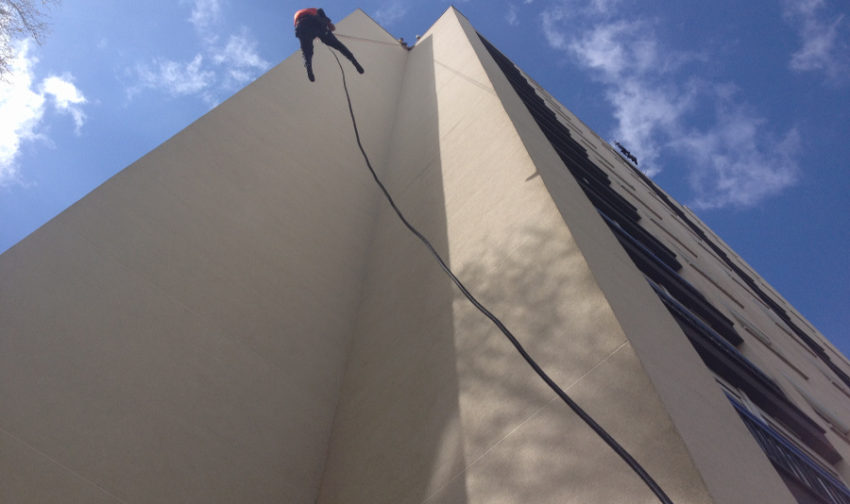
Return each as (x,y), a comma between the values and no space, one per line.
(309,26)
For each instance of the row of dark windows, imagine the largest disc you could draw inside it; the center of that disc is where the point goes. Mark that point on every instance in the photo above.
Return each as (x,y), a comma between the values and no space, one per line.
(712,334)
(747,279)
(727,362)
(662,274)
(593,181)
(807,480)
(655,259)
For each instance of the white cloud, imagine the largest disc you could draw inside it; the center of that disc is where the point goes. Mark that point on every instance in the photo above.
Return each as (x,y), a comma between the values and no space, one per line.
(734,164)
(240,58)
(22,108)
(802,7)
(609,48)
(825,41)
(818,48)
(227,68)
(214,71)
(553,33)
(390,12)
(66,97)
(732,158)
(625,55)
(512,16)
(646,116)
(205,13)
(174,78)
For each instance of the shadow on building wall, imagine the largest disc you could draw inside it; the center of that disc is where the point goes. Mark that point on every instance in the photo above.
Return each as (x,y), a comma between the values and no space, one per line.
(396,435)
(522,443)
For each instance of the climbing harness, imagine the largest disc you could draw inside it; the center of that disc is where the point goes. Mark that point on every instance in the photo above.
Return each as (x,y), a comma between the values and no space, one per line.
(601,432)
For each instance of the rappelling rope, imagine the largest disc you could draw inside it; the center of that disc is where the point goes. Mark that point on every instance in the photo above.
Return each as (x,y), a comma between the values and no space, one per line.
(633,464)
(367,40)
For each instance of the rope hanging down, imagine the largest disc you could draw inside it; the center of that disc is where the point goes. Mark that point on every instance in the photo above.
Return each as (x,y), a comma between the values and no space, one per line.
(602,433)
(367,40)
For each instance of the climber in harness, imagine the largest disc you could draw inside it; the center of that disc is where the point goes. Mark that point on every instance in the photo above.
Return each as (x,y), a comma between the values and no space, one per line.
(311,23)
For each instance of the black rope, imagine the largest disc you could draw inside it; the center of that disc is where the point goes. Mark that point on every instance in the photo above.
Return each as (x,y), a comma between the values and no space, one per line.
(367,40)
(635,466)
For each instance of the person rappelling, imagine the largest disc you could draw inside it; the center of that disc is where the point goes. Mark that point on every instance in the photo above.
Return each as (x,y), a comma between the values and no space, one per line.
(311,23)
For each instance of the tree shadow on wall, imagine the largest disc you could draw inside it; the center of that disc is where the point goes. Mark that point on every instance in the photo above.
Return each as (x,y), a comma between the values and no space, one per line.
(522,444)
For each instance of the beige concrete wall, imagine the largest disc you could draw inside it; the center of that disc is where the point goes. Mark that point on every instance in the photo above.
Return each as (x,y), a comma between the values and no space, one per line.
(714,440)
(768,341)
(179,334)
(404,328)
(436,405)
(240,317)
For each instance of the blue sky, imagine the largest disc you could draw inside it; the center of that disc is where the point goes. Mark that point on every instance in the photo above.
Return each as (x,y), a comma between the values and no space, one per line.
(741,110)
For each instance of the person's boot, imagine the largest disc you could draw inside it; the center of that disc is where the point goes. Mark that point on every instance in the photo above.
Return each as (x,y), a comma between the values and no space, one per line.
(310,73)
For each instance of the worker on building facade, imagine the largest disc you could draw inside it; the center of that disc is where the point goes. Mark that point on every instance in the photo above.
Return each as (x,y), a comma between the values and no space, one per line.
(311,23)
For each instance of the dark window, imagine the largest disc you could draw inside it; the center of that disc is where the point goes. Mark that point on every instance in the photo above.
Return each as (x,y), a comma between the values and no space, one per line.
(676,286)
(747,279)
(593,180)
(808,481)
(731,365)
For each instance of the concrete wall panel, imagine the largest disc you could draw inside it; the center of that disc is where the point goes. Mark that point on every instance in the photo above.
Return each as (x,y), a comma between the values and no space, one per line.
(179,334)
(436,405)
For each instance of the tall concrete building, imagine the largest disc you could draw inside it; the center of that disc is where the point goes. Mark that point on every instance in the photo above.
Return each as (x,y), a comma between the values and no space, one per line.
(240,317)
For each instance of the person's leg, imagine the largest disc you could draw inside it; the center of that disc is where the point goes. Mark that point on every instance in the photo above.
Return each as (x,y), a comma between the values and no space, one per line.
(329,39)
(307,53)
(305,36)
